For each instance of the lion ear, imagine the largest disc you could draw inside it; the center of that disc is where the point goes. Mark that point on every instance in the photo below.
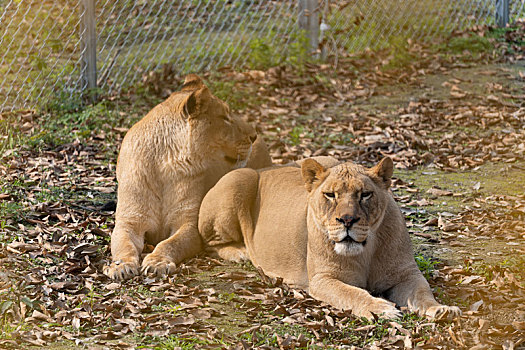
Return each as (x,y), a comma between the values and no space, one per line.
(383,170)
(312,173)
(192,82)
(196,102)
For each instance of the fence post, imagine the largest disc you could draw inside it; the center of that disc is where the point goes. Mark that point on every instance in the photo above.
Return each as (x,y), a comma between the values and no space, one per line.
(309,22)
(502,13)
(89,50)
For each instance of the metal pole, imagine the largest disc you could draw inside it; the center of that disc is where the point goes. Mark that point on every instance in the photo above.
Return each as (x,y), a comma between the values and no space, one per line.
(502,13)
(309,22)
(89,50)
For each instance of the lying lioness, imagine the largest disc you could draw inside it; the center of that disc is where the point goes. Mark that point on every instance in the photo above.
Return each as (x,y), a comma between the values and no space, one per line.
(335,232)
(167,163)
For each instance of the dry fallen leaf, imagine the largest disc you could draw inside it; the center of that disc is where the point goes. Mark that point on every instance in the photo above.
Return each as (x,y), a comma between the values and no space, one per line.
(439,192)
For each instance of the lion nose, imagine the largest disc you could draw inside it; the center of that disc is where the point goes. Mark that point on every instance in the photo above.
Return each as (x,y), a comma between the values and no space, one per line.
(253,138)
(348,221)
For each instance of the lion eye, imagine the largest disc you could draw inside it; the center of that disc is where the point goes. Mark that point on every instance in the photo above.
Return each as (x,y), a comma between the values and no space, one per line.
(329,195)
(366,195)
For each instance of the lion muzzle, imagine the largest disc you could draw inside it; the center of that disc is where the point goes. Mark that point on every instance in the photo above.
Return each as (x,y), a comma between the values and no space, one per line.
(348,220)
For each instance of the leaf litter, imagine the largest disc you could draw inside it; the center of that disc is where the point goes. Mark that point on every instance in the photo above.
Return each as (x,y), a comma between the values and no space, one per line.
(56,236)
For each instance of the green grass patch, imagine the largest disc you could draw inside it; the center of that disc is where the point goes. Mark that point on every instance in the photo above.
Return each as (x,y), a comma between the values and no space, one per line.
(268,337)
(236,96)
(514,264)
(173,342)
(66,125)
(12,209)
(474,44)
(426,265)
(400,55)
(266,51)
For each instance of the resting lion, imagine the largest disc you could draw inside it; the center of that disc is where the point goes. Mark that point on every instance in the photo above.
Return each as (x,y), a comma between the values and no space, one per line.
(336,232)
(167,163)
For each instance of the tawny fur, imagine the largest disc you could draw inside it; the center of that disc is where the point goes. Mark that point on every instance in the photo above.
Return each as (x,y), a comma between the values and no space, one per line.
(167,163)
(288,221)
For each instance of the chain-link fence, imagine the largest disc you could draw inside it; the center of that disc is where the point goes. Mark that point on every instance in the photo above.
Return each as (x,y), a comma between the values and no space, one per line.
(138,36)
(53,51)
(39,51)
(352,26)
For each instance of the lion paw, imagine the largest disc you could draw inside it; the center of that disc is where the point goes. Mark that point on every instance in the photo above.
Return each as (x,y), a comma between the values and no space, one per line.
(384,309)
(119,270)
(440,312)
(157,266)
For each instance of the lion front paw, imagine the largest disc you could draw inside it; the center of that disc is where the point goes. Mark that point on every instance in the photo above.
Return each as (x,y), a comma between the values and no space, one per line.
(119,270)
(157,266)
(383,308)
(440,312)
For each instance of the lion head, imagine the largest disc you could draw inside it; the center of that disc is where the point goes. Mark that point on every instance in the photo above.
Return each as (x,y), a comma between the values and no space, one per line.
(347,202)
(212,130)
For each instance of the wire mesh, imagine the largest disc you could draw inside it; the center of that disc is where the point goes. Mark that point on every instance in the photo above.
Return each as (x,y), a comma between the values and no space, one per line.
(139,36)
(43,51)
(39,52)
(352,26)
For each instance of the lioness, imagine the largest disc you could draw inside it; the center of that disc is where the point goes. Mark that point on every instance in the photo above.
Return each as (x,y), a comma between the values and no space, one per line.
(167,163)
(336,232)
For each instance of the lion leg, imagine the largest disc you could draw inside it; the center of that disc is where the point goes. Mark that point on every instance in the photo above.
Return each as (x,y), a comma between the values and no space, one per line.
(183,244)
(348,297)
(127,242)
(232,252)
(415,293)
(133,218)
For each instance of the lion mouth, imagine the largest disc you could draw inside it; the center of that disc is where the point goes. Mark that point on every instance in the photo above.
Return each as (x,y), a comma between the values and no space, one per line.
(240,160)
(350,240)
(230,159)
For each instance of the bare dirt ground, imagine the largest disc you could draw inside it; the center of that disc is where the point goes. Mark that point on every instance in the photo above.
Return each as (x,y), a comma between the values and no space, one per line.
(454,125)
